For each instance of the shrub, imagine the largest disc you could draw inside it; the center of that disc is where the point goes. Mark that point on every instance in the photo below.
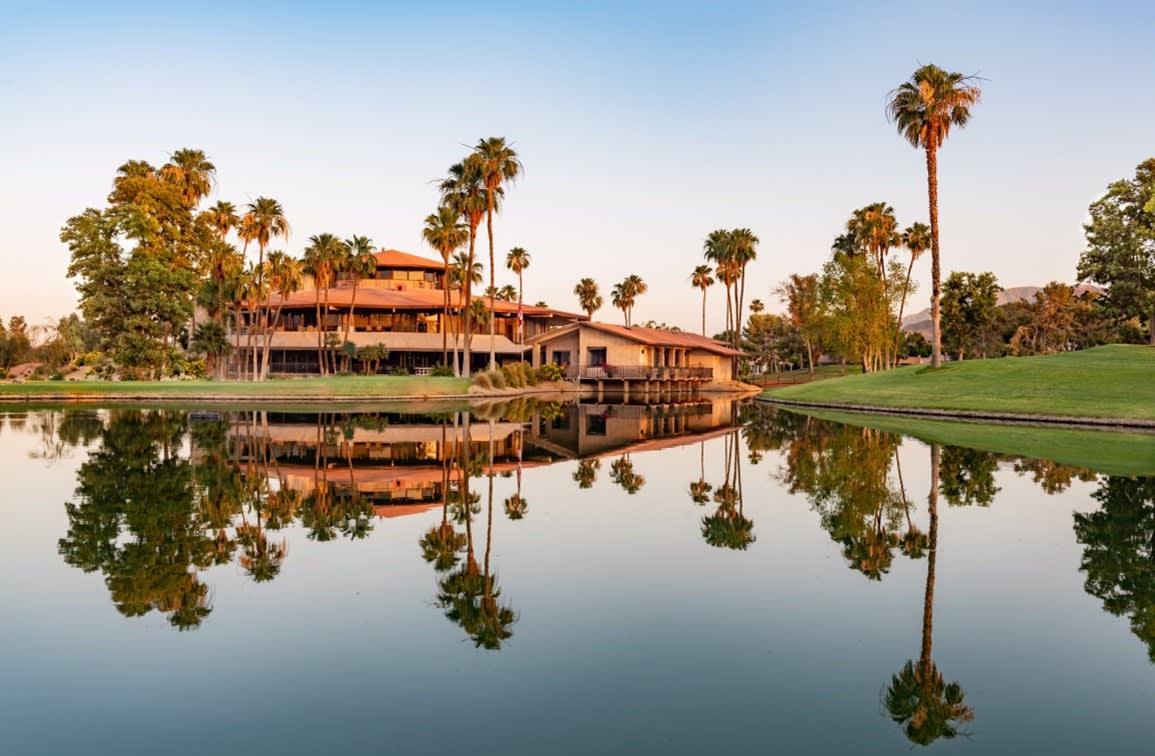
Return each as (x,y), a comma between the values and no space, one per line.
(57,376)
(481,380)
(550,372)
(529,373)
(513,376)
(497,378)
(442,371)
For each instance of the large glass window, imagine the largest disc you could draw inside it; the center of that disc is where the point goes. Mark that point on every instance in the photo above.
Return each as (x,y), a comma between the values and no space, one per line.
(597,356)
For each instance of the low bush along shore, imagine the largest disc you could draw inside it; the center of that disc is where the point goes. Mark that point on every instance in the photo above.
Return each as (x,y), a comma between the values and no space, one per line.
(1116,382)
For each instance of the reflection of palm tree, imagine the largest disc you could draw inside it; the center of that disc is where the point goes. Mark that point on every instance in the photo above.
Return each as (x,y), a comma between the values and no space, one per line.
(700,489)
(728,527)
(516,507)
(260,559)
(918,697)
(622,473)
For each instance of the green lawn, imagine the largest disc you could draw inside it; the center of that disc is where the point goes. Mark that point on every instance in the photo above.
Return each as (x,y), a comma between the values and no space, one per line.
(1104,451)
(316,388)
(1115,381)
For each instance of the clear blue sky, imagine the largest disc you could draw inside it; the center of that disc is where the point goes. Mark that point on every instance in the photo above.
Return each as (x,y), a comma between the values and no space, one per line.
(641,127)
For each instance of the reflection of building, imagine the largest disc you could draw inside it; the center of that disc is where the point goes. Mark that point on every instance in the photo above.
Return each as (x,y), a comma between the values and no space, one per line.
(403,464)
(591,430)
(400,307)
(601,352)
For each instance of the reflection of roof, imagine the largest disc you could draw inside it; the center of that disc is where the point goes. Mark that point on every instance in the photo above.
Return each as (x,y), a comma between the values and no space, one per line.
(397,341)
(407,299)
(395,258)
(648,336)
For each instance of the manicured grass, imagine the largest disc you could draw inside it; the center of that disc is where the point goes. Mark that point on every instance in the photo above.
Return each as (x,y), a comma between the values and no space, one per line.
(333,386)
(1104,451)
(1115,381)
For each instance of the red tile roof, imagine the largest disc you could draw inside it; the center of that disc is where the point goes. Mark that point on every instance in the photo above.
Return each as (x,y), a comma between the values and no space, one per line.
(649,337)
(408,299)
(395,258)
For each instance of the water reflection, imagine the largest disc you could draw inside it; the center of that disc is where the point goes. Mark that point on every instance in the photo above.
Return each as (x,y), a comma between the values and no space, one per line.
(162,497)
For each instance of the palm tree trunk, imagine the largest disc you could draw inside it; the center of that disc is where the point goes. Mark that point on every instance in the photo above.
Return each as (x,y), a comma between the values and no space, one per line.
(703,310)
(492,283)
(445,315)
(520,315)
(935,270)
(467,288)
(317,303)
(809,357)
(901,308)
(348,324)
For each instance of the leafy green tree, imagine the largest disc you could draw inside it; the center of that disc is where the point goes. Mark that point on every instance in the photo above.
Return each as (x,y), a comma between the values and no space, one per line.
(970,310)
(800,293)
(924,109)
(212,341)
(1120,253)
(967,476)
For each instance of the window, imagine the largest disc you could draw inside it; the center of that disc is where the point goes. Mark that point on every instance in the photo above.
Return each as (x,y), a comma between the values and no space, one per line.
(597,356)
(561,357)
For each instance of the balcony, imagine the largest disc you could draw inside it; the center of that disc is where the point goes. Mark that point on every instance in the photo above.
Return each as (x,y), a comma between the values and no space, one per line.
(638,373)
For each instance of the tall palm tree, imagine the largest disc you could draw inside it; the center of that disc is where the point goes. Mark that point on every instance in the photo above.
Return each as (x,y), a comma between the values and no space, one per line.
(359,263)
(264,221)
(702,279)
(718,250)
(743,251)
(916,239)
(590,300)
(283,274)
(192,172)
(499,166)
(464,192)
(460,282)
(625,294)
(924,109)
(321,258)
(445,232)
(517,260)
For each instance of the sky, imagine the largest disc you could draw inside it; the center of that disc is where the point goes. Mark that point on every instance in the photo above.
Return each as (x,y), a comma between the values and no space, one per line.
(642,127)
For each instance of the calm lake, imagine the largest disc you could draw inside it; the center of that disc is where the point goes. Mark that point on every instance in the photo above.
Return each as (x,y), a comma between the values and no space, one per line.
(542,578)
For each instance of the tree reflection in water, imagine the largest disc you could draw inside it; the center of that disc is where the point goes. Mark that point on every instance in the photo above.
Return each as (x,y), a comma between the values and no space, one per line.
(1119,552)
(728,527)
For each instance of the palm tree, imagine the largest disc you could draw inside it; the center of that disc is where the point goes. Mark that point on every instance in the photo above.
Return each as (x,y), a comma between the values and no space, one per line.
(464,192)
(743,251)
(507,293)
(283,274)
(192,172)
(875,228)
(517,260)
(458,282)
(445,232)
(717,249)
(756,306)
(264,221)
(590,300)
(924,109)
(359,263)
(222,217)
(499,165)
(701,279)
(916,238)
(321,258)
(625,294)
(211,340)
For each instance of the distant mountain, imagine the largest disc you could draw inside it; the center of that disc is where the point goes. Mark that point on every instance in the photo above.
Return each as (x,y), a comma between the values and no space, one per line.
(920,321)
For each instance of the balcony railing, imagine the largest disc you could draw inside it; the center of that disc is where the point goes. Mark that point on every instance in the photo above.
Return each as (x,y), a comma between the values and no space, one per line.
(638,373)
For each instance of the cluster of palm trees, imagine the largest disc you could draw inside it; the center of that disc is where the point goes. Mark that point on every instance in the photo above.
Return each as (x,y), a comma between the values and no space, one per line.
(730,251)
(230,284)
(473,190)
(624,296)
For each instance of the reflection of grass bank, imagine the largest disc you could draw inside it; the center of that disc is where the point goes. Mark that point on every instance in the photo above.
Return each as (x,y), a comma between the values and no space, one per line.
(333,387)
(1106,382)
(1110,452)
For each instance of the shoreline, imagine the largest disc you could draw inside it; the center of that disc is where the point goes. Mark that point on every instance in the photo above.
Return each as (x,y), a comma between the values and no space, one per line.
(974,416)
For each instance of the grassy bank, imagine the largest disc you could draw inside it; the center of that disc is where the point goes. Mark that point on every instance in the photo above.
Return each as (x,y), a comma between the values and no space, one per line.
(1115,381)
(335,387)
(1109,452)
